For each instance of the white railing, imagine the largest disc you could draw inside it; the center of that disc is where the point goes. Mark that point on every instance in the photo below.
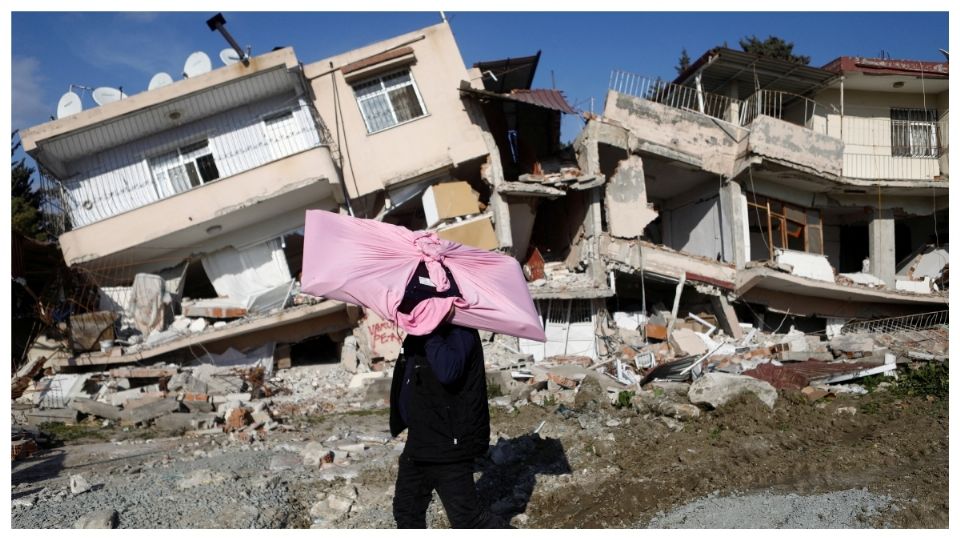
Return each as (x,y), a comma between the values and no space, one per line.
(784,106)
(919,321)
(672,95)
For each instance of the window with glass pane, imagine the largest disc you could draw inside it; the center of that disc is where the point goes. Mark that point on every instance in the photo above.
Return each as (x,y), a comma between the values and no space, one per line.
(388,100)
(189,166)
(913,133)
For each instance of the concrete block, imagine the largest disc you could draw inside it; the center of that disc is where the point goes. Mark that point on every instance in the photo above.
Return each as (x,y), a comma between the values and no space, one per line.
(716,389)
(808,265)
(145,399)
(95,408)
(39,416)
(186,421)
(378,389)
(149,411)
(686,342)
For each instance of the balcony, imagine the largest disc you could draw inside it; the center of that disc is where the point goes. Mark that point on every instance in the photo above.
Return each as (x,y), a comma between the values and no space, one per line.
(273,196)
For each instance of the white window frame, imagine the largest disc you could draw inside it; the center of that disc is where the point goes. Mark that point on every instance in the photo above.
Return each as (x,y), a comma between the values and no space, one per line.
(181,159)
(384,91)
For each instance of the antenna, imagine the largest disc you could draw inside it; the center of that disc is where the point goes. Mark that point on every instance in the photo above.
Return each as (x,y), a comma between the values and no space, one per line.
(105,94)
(197,63)
(160,79)
(443,16)
(217,22)
(944,53)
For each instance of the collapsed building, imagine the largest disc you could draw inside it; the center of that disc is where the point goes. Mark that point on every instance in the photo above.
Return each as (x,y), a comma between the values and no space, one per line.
(750,195)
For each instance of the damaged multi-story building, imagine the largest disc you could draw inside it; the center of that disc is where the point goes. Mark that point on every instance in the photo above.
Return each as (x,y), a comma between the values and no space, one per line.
(814,195)
(772,191)
(183,206)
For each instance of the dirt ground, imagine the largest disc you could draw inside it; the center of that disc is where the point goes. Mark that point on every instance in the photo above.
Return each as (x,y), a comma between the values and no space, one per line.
(587,467)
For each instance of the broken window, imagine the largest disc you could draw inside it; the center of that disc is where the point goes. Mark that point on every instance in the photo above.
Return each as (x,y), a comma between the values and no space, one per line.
(187,167)
(782,225)
(389,100)
(913,133)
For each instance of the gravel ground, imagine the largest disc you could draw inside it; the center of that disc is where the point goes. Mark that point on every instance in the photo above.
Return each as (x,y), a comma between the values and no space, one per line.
(849,509)
(850,462)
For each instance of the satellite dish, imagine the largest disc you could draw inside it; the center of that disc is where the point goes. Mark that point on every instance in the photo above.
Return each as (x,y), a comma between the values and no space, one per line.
(69,104)
(105,94)
(197,63)
(160,79)
(229,56)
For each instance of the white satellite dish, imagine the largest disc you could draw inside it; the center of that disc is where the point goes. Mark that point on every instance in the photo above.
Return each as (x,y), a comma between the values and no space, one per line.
(160,79)
(229,56)
(105,94)
(69,104)
(197,63)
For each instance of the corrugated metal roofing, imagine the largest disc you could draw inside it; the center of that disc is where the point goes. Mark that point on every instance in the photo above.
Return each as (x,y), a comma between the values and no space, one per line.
(720,67)
(538,97)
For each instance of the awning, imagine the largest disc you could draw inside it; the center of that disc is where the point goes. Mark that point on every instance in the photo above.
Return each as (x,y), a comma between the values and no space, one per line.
(720,67)
(510,73)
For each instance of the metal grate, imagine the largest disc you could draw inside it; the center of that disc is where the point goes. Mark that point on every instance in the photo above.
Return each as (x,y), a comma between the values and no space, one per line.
(919,321)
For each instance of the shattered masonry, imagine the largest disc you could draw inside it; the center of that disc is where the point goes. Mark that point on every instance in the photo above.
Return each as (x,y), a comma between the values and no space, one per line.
(695,231)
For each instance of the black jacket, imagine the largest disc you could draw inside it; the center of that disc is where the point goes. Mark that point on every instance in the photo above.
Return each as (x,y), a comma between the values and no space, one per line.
(447,422)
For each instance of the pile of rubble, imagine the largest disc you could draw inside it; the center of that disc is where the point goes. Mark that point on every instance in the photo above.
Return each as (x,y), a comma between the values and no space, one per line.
(693,354)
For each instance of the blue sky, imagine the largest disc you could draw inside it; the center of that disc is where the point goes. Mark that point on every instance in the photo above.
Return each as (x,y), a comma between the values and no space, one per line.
(52,50)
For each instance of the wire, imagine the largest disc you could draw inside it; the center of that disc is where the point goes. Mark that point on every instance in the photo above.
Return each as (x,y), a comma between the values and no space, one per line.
(756,209)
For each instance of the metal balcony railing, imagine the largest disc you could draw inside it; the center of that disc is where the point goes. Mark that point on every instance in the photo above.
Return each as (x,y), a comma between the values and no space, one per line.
(920,321)
(672,95)
(784,106)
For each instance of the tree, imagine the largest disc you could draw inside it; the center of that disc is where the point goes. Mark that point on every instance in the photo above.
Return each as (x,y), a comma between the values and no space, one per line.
(772,47)
(684,62)
(26,215)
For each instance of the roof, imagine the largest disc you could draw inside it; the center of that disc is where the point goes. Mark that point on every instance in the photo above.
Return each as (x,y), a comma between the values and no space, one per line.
(539,97)
(721,66)
(887,66)
(510,73)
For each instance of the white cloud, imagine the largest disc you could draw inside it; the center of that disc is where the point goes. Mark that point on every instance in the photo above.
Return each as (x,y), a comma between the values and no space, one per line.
(30,107)
(144,51)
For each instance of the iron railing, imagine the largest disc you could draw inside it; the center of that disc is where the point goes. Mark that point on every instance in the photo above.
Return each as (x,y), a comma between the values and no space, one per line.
(920,321)
(785,106)
(672,95)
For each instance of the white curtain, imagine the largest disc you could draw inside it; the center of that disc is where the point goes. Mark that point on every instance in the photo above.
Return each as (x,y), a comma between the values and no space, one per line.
(244,274)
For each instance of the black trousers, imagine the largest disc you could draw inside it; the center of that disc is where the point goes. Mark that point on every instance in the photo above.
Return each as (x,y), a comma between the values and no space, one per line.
(416,481)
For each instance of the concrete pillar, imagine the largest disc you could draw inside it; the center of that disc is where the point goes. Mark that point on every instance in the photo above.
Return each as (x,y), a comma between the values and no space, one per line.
(493,175)
(882,252)
(735,233)
(733,109)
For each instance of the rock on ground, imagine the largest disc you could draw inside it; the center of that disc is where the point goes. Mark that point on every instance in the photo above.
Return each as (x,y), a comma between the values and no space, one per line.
(100,519)
(716,389)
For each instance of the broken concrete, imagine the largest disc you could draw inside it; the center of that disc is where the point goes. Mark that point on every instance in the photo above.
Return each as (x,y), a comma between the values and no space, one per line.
(149,411)
(716,389)
(626,200)
(95,408)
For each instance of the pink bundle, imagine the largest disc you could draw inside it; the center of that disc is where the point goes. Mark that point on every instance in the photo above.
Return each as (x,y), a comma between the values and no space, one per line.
(369,263)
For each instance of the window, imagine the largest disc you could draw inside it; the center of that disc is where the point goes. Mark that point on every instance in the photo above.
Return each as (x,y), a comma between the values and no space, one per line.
(388,100)
(913,133)
(187,167)
(783,225)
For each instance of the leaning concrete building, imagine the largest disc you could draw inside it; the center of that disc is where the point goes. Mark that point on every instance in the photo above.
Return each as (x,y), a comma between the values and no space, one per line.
(814,193)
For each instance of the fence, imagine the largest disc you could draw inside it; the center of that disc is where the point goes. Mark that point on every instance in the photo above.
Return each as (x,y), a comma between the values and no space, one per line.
(671,95)
(919,321)
(781,105)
